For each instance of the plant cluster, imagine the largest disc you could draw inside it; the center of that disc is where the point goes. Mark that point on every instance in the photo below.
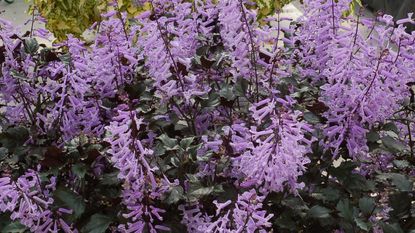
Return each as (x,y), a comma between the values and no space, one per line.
(196,117)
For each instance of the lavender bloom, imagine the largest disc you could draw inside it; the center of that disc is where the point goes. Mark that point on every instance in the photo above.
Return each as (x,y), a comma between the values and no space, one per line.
(30,203)
(140,184)
(244,215)
(274,156)
(365,77)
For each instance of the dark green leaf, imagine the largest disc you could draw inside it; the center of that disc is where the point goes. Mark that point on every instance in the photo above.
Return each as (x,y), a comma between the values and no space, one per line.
(180,125)
(391,127)
(3,152)
(159,149)
(66,58)
(285,221)
(311,118)
(401,164)
(206,157)
(318,212)
(241,87)
(20,76)
(135,90)
(373,136)
(169,143)
(213,100)
(401,204)
(109,179)
(79,170)
(401,182)
(14,227)
(98,223)
(175,195)
(227,93)
(392,228)
(14,137)
(345,210)
(70,200)
(358,183)
(362,224)
(186,142)
(343,171)
(366,205)
(198,193)
(31,45)
(392,144)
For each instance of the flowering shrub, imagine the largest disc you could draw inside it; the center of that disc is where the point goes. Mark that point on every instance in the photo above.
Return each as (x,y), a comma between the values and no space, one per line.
(195,117)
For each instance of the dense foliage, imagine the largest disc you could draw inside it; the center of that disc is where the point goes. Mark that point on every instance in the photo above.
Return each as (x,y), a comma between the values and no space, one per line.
(195,117)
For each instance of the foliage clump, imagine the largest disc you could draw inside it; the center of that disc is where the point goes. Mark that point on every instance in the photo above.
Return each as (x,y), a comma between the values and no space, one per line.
(196,117)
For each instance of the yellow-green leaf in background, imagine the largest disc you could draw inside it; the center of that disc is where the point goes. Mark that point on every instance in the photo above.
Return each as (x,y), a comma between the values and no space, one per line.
(353,5)
(75,16)
(269,7)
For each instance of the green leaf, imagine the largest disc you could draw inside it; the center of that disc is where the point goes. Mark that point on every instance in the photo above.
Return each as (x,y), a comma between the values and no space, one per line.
(392,144)
(14,137)
(3,152)
(109,179)
(98,223)
(30,45)
(227,93)
(326,194)
(373,136)
(367,205)
(180,125)
(357,183)
(175,161)
(401,204)
(206,157)
(79,170)
(186,142)
(14,227)
(362,224)
(20,76)
(66,58)
(135,90)
(202,51)
(212,101)
(318,212)
(400,181)
(201,192)
(70,200)
(345,210)
(175,195)
(241,87)
(159,149)
(342,171)
(285,221)
(392,228)
(401,164)
(169,143)
(311,118)
(20,134)
(391,127)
